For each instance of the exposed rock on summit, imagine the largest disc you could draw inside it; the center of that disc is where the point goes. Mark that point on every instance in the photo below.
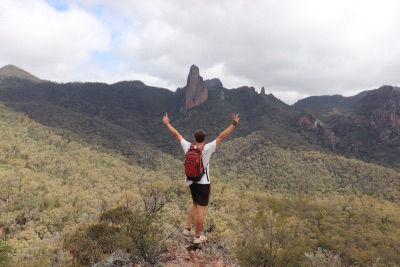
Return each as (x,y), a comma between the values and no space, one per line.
(262,94)
(196,89)
(180,252)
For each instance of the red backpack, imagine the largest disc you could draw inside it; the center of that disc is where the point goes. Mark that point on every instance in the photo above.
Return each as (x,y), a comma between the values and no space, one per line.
(194,168)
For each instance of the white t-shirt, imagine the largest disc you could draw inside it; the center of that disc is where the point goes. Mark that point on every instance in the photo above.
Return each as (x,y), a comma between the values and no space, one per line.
(207,152)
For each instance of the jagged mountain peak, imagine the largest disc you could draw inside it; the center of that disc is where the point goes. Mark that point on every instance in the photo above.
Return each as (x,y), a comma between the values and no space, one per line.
(11,71)
(384,98)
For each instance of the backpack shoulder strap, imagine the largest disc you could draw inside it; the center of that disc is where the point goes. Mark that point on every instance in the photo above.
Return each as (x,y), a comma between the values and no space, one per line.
(193,146)
(204,167)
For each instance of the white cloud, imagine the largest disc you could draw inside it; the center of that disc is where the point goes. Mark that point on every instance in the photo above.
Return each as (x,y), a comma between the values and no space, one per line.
(37,37)
(293,48)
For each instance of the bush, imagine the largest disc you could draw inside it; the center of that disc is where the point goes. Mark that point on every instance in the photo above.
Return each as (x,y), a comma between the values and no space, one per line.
(146,236)
(324,258)
(119,228)
(6,252)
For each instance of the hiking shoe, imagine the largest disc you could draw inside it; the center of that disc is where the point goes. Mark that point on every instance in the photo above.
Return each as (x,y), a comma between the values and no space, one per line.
(187,232)
(200,239)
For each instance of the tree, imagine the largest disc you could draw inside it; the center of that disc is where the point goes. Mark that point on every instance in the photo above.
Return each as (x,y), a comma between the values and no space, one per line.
(6,252)
(270,238)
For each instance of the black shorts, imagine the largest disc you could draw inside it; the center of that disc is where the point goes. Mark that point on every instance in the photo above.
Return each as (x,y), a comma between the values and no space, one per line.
(200,193)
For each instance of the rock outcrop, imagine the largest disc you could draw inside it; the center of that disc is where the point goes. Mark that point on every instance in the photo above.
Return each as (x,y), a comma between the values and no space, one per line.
(381,108)
(250,90)
(119,259)
(196,89)
(309,123)
(180,252)
(306,120)
(213,83)
(262,93)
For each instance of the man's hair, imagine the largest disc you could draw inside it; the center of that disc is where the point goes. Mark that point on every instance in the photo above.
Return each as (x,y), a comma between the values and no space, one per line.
(200,136)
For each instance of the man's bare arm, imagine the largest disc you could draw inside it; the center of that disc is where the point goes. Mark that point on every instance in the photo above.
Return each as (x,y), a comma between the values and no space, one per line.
(225,133)
(172,129)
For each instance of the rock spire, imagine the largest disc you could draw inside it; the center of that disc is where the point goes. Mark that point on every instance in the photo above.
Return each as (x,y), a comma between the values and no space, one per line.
(196,89)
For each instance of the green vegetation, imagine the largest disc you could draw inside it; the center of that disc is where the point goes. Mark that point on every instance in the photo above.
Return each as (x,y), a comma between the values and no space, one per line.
(280,230)
(137,231)
(6,252)
(50,187)
(324,258)
(70,199)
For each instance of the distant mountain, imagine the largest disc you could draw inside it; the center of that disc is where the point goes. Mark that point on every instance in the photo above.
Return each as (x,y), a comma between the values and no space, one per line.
(11,71)
(126,116)
(329,104)
(368,128)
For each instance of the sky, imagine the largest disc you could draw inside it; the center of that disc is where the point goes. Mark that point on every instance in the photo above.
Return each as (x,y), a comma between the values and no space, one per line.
(294,49)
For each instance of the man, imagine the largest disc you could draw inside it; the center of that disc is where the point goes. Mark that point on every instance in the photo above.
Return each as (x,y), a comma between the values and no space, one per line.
(201,190)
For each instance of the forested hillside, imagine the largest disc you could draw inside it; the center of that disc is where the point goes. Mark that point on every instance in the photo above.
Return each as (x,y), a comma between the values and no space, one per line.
(88,168)
(52,188)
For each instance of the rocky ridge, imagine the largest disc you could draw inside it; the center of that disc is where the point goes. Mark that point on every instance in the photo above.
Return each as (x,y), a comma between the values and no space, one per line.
(365,126)
(180,252)
(372,122)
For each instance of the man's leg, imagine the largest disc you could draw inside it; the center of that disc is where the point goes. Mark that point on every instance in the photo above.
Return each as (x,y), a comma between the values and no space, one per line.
(191,214)
(199,219)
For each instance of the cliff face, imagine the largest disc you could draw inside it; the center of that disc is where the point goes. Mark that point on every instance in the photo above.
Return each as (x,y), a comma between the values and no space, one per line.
(196,89)
(179,252)
(371,123)
(308,122)
(381,108)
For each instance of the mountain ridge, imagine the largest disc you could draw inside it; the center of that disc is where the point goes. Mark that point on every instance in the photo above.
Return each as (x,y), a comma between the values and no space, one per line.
(13,71)
(131,108)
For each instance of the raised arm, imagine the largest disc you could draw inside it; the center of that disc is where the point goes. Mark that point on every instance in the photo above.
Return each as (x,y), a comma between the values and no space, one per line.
(171,129)
(225,133)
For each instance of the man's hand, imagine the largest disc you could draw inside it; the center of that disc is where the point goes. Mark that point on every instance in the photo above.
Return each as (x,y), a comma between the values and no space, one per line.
(225,133)
(170,128)
(165,119)
(235,119)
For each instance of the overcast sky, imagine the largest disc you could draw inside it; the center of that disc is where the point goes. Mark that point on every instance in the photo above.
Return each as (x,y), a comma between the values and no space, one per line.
(292,48)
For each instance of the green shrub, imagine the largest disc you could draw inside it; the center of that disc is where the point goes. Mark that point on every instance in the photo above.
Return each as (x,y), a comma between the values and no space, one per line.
(6,252)
(119,228)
